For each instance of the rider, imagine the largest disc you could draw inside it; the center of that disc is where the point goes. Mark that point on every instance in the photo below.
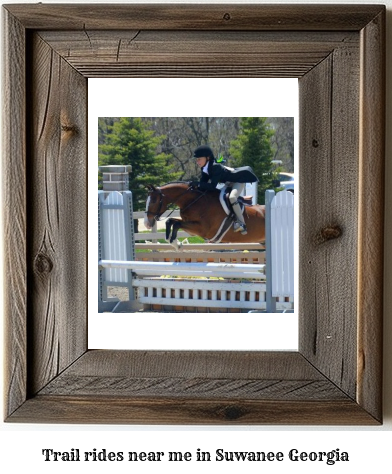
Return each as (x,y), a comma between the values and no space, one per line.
(214,173)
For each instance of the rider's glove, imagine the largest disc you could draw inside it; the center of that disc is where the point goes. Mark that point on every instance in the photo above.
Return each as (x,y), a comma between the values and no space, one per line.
(194,184)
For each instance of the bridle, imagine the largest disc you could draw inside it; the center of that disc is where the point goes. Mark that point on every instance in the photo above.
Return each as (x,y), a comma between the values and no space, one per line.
(158,214)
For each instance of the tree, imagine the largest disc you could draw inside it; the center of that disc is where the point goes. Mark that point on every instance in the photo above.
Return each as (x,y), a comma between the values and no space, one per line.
(253,148)
(130,142)
(104,126)
(283,141)
(184,134)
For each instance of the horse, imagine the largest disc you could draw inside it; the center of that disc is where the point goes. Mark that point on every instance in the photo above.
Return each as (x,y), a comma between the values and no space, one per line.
(201,214)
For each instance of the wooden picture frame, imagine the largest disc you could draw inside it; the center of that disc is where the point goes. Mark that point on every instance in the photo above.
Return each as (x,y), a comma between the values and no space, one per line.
(338,54)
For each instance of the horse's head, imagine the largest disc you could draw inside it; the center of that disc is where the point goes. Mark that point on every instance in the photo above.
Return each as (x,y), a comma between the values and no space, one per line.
(155,206)
(159,198)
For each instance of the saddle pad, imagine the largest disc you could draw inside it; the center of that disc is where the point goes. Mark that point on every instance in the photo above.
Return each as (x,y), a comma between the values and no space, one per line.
(225,203)
(222,200)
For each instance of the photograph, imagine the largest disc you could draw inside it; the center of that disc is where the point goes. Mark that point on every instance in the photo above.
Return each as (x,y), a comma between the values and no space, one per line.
(207,214)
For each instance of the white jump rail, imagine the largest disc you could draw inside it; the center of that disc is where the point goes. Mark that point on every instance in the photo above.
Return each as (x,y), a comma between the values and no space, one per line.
(205,247)
(226,270)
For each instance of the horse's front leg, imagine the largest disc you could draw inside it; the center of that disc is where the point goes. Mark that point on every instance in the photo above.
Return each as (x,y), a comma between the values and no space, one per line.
(172,227)
(169,224)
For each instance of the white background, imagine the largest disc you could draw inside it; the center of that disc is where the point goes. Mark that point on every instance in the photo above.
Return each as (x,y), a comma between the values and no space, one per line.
(369,448)
(172,97)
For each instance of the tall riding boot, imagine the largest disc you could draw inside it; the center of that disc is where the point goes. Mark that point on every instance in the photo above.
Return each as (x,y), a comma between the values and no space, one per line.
(239,225)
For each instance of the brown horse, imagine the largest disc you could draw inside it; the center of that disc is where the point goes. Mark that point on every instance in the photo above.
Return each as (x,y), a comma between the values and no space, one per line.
(201,214)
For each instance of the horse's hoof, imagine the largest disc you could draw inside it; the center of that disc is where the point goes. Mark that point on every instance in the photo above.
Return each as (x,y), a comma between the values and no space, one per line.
(177,245)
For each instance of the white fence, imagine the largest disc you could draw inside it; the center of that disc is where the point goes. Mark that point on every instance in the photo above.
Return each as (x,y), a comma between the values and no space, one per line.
(279,246)
(198,293)
(115,242)
(157,283)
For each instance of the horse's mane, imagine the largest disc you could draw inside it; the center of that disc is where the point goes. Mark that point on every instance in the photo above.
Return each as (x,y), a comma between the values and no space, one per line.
(186,183)
(175,182)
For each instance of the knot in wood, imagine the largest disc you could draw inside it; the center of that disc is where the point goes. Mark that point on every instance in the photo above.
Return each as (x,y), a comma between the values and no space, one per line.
(315,143)
(328,233)
(69,129)
(227,16)
(232,413)
(43,264)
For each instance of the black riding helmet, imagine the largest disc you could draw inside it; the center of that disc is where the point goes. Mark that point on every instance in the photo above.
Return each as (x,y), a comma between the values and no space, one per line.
(203,151)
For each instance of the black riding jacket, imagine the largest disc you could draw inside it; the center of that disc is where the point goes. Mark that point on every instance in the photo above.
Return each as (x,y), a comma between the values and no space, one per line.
(218,173)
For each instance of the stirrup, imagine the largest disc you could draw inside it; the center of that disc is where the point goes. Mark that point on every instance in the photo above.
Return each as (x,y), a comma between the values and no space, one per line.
(239,227)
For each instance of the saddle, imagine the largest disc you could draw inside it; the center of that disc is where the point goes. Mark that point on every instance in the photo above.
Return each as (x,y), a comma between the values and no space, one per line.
(230,216)
(226,204)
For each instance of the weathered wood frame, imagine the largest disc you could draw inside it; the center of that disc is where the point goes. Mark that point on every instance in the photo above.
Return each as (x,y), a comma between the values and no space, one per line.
(337,52)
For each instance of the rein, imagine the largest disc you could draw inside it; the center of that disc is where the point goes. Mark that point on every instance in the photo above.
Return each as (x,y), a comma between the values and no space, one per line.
(158,214)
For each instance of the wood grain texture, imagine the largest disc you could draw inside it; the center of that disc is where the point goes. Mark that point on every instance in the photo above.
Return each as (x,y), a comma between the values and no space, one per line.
(192,387)
(338,52)
(128,53)
(208,364)
(201,387)
(155,411)
(208,375)
(57,222)
(329,168)
(371,216)
(193,17)
(14,211)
